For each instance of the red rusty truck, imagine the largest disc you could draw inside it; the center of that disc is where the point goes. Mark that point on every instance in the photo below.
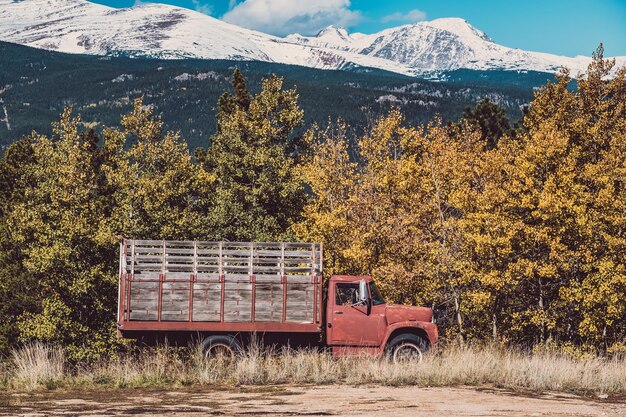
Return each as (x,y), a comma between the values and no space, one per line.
(228,293)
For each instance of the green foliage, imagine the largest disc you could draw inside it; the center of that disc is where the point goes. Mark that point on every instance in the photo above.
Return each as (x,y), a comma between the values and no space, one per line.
(16,286)
(490,119)
(159,192)
(66,198)
(258,194)
(55,224)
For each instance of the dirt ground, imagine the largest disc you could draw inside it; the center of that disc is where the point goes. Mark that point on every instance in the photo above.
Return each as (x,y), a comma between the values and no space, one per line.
(305,401)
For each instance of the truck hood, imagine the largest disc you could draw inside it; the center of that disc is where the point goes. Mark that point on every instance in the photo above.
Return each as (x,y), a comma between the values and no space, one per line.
(396,313)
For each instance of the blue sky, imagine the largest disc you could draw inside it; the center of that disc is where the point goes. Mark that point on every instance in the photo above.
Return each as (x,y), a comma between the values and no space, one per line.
(565,27)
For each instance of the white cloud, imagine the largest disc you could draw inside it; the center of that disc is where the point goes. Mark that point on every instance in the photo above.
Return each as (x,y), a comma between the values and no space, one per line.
(414,15)
(281,17)
(202,7)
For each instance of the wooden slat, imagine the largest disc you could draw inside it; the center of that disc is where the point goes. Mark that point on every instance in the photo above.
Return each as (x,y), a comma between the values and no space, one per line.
(186,243)
(203,267)
(268,278)
(298,278)
(237,277)
(205,315)
(143,250)
(143,305)
(206,276)
(229,256)
(145,275)
(148,258)
(139,286)
(143,315)
(180,258)
(268,302)
(147,242)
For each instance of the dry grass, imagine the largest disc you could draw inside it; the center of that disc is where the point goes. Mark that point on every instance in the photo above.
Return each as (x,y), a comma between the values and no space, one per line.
(42,367)
(36,365)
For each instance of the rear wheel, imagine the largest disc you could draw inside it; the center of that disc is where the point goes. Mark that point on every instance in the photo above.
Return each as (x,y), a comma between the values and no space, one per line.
(223,348)
(407,348)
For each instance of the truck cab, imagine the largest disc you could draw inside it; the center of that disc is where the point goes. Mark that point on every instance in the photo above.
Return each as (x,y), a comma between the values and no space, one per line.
(360,321)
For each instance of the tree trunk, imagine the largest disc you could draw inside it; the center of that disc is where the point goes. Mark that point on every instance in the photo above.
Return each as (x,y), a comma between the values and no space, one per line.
(459,318)
(541,307)
(494,319)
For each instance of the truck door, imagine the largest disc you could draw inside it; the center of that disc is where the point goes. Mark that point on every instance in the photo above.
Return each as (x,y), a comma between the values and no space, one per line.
(349,323)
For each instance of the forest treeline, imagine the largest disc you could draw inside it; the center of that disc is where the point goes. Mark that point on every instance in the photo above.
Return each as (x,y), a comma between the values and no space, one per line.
(513,233)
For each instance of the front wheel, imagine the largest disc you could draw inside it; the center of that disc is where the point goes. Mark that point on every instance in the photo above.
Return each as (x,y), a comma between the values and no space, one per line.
(407,348)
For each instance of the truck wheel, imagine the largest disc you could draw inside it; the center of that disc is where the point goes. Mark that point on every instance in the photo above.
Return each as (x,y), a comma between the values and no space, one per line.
(407,348)
(223,348)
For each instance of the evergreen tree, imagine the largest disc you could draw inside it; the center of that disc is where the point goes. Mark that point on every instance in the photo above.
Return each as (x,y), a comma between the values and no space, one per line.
(258,194)
(491,119)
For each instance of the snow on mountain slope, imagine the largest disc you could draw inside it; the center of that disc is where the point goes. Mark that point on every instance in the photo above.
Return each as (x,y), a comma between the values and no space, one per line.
(442,44)
(163,31)
(77,26)
(158,31)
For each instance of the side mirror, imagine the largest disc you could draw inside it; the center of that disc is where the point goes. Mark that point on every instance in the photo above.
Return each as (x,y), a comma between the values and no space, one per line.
(364,295)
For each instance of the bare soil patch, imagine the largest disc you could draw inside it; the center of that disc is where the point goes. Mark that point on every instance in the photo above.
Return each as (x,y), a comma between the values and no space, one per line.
(332,400)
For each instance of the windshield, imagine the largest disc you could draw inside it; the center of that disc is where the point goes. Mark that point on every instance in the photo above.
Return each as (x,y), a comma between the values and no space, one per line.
(377,298)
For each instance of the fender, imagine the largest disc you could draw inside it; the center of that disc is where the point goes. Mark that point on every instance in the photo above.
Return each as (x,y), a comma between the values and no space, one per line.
(429,328)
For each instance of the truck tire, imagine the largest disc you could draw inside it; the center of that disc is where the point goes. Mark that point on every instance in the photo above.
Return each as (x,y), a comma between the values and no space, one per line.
(224,348)
(407,348)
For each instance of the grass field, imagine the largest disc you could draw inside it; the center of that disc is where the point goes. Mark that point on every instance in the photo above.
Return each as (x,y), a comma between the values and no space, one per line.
(39,367)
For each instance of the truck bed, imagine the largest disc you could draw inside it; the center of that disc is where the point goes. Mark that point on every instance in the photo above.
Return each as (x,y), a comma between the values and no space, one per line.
(220,286)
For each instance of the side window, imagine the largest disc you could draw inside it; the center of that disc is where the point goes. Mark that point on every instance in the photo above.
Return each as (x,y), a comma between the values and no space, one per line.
(347,294)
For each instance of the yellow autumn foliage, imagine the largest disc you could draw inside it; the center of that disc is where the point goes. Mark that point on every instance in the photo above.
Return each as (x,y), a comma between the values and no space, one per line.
(520,242)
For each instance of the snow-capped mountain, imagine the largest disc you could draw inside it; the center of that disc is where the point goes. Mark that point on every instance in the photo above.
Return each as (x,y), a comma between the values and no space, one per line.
(441,44)
(159,31)
(163,31)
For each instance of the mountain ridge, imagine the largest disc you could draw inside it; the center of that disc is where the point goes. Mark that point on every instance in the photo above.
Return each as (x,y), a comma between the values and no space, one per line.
(36,85)
(155,30)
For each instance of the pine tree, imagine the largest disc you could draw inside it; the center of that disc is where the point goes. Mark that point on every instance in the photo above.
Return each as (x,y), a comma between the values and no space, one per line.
(491,119)
(253,156)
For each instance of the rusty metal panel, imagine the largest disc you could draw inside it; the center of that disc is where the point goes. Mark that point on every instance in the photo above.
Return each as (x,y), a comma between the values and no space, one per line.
(339,351)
